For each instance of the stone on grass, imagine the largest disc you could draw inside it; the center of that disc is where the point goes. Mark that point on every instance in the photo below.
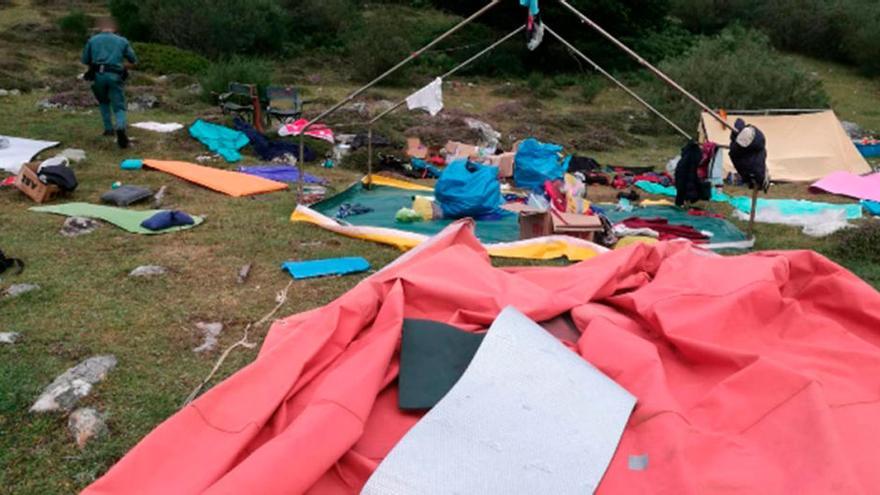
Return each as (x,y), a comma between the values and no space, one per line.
(73,155)
(4,92)
(74,384)
(9,337)
(77,226)
(85,424)
(19,289)
(210,333)
(148,271)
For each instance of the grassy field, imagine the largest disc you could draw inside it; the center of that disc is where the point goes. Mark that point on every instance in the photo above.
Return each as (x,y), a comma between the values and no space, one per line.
(88,305)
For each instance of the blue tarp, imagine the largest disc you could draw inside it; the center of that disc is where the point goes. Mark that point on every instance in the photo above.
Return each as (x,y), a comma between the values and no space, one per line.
(468,189)
(873,207)
(322,268)
(796,206)
(536,163)
(280,173)
(221,140)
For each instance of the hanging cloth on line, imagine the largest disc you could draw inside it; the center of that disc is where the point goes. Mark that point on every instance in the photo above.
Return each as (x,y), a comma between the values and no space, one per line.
(429,98)
(532,5)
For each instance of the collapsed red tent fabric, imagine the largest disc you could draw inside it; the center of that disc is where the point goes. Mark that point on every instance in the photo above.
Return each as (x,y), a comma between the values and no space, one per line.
(754,374)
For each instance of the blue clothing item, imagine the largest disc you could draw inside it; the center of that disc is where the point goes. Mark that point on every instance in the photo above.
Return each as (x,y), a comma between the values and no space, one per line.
(269,150)
(322,268)
(167,219)
(132,164)
(532,5)
(423,167)
(796,206)
(221,140)
(281,173)
(108,49)
(536,163)
(468,189)
(873,207)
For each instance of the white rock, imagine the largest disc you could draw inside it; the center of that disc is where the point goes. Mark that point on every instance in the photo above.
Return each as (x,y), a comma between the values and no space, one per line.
(15,92)
(148,271)
(3,92)
(9,337)
(211,331)
(74,384)
(77,226)
(19,289)
(85,424)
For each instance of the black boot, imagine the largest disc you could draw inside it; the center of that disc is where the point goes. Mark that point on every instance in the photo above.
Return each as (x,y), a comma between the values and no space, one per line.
(121,139)
(109,133)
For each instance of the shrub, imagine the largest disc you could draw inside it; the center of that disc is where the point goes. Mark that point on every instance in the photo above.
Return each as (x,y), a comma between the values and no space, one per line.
(164,59)
(213,28)
(590,87)
(811,27)
(861,41)
(378,45)
(75,26)
(218,75)
(737,69)
(321,22)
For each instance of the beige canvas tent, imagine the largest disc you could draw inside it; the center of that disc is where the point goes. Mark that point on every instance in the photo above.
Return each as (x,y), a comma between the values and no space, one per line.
(802,147)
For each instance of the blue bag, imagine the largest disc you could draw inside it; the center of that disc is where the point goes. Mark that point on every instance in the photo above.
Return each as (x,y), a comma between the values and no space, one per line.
(467,189)
(536,163)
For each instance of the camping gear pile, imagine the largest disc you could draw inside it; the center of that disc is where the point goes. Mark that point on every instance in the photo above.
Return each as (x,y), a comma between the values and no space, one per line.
(646,373)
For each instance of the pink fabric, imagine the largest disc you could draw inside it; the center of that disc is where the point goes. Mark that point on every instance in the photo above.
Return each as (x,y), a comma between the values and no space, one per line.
(318,131)
(847,184)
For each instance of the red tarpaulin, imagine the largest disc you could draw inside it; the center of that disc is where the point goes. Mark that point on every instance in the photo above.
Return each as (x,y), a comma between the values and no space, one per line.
(754,374)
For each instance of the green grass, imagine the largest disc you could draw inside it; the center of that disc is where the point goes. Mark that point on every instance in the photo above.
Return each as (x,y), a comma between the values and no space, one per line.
(88,306)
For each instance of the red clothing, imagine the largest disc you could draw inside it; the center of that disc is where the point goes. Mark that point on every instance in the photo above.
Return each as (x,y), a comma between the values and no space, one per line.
(754,374)
(666,230)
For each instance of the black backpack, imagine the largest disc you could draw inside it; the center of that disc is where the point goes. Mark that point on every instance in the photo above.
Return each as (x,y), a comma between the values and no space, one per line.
(7,263)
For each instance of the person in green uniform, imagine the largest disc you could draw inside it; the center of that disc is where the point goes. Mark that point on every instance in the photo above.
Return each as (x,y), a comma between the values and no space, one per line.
(108,57)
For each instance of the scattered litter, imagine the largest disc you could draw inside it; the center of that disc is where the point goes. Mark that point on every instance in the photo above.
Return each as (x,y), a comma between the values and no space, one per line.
(211,331)
(327,267)
(140,102)
(159,198)
(234,184)
(128,220)
(77,226)
(86,424)
(408,215)
(221,140)
(281,173)
(490,137)
(148,271)
(16,290)
(158,126)
(9,337)
(20,151)
(126,195)
(165,220)
(243,273)
(273,150)
(317,131)
(132,164)
(349,210)
(525,404)
(74,384)
(74,155)
(207,158)
(429,98)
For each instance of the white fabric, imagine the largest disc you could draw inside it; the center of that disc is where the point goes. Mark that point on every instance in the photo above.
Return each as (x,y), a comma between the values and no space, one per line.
(158,126)
(527,416)
(819,225)
(21,151)
(746,137)
(55,161)
(429,98)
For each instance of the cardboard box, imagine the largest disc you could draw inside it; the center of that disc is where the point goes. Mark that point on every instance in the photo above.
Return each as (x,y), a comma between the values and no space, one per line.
(30,184)
(457,151)
(415,148)
(504,162)
(534,224)
(574,225)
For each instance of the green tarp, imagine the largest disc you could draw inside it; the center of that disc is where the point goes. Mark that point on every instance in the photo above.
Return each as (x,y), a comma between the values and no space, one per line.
(385,201)
(722,230)
(125,219)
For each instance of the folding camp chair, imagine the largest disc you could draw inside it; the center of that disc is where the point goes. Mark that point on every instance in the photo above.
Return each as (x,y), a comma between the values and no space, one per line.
(284,104)
(241,100)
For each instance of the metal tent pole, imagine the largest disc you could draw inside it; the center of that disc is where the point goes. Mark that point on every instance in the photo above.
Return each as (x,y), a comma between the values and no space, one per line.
(657,72)
(387,73)
(618,83)
(444,76)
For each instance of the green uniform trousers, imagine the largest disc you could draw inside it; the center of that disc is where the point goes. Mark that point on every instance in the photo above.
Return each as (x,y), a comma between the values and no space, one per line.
(109,89)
